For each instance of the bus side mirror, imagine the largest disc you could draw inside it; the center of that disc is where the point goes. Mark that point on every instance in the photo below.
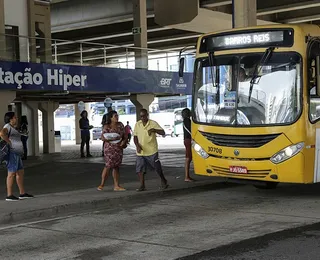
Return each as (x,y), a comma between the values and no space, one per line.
(181,67)
(318,74)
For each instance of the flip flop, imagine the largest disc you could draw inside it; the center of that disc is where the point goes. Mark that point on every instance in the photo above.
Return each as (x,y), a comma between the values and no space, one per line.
(100,188)
(190,180)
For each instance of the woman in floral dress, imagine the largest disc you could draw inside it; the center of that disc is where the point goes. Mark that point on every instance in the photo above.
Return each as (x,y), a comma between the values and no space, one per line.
(115,140)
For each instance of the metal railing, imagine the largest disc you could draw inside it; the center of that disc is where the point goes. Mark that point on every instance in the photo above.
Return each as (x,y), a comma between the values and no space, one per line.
(38,49)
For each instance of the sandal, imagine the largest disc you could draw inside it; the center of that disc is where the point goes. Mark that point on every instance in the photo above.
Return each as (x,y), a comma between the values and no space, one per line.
(189,180)
(100,188)
(119,189)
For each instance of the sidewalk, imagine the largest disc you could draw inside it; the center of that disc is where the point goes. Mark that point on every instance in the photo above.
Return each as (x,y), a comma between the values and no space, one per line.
(64,188)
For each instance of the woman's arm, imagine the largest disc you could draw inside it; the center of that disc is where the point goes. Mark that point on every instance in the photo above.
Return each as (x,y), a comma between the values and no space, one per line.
(4,134)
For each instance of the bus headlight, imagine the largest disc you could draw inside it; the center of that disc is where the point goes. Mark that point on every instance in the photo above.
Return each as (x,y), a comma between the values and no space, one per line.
(287,153)
(200,150)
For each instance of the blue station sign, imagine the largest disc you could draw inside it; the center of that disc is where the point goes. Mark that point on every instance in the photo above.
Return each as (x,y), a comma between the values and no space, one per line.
(52,77)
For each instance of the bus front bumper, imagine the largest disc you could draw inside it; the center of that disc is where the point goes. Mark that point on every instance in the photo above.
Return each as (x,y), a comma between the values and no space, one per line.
(290,171)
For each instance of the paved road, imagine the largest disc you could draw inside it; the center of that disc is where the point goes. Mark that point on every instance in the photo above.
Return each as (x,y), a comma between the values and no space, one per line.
(294,244)
(179,226)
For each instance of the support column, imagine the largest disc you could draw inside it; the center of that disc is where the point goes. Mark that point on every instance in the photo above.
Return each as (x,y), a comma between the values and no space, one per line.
(3,52)
(32,31)
(141,37)
(141,101)
(77,113)
(33,120)
(244,13)
(6,97)
(47,109)
(76,121)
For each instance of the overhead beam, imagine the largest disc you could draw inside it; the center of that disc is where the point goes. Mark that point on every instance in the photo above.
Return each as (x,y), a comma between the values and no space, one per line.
(302,19)
(212,4)
(109,36)
(287,8)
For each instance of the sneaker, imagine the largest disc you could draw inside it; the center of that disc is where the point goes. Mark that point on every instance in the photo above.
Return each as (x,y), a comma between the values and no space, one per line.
(25,196)
(12,198)
(82,156)
(89,156)
(164,186)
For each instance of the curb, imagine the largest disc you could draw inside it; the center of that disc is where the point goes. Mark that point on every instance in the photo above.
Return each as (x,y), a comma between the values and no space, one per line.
(87,206)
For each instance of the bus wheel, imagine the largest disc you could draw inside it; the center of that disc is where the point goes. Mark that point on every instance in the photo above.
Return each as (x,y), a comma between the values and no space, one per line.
(267,185)
(172,134)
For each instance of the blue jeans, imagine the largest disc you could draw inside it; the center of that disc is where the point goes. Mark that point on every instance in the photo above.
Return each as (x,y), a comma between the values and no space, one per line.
(14,163)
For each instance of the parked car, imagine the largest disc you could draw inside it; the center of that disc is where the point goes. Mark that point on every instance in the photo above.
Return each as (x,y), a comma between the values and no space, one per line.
(96,133)
(169,130)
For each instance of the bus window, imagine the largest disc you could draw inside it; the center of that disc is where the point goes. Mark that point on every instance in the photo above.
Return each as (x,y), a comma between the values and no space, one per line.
(275,97)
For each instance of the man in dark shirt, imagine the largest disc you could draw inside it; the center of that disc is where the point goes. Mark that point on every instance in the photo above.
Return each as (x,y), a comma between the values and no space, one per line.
(186,114)
(85,133)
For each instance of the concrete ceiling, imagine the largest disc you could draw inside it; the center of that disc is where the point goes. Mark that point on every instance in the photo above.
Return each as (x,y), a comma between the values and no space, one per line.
(113,25)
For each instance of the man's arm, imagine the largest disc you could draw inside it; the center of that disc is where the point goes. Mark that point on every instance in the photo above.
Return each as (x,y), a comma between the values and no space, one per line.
(136,142)
(157,129)
(135,138)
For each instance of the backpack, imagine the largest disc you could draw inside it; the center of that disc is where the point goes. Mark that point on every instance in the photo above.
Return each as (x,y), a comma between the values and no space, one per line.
(4,149)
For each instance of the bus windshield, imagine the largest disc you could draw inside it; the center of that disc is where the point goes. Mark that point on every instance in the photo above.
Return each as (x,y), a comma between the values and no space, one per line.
(222,87)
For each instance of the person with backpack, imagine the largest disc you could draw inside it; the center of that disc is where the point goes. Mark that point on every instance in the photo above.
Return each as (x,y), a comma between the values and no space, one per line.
(186,114)
(12,137)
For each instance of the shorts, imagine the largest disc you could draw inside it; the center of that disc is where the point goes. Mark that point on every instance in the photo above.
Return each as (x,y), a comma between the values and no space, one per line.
(145,162)
(187,144)
(14,162)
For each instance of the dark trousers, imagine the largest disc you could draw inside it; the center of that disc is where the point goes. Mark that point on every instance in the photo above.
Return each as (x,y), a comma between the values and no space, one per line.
(129,138)
(85,140)
(24,140)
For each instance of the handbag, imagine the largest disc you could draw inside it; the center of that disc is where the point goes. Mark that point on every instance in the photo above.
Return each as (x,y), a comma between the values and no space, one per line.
(4,149)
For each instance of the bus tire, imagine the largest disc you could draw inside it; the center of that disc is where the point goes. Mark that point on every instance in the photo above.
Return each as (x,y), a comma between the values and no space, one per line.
(172,134)
(268,185)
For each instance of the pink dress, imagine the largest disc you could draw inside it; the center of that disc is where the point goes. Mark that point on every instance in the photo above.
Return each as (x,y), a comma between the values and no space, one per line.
(113,153)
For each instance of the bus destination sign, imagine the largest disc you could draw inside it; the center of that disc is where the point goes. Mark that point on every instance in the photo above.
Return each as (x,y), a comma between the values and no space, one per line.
(247,40)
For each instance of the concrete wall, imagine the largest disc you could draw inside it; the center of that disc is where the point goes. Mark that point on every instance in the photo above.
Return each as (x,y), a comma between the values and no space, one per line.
(16,13)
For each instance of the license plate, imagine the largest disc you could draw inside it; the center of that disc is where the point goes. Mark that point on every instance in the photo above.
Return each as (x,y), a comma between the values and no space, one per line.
(238,169)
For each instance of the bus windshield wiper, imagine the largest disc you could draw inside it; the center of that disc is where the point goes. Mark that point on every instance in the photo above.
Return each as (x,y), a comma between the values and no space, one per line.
(264,59)
(214,77)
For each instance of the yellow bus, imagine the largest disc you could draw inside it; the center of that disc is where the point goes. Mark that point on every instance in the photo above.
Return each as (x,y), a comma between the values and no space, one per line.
(256,104)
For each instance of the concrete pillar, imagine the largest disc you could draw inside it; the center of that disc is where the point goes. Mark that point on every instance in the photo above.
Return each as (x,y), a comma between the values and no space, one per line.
(141,101)
(32,31)
(76,121)
(47,109)
(141,37)
(6,97)
(244,13)
(3,51)
(30,109)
